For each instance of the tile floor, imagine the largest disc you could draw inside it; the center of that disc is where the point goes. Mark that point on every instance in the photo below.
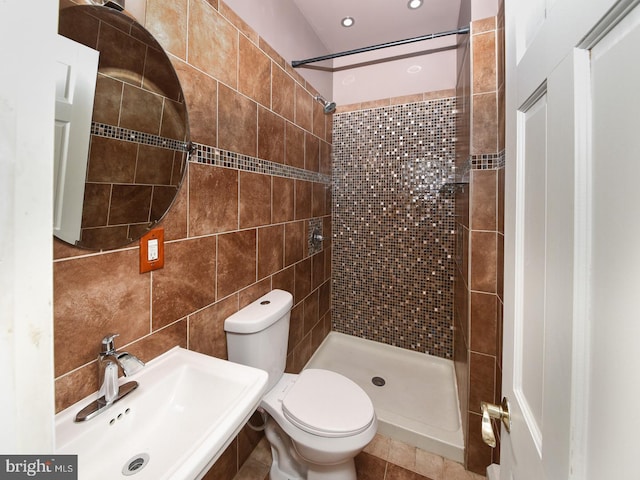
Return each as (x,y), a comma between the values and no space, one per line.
(383,459)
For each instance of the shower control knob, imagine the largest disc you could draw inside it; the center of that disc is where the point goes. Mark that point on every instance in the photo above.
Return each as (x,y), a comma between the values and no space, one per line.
(316,238)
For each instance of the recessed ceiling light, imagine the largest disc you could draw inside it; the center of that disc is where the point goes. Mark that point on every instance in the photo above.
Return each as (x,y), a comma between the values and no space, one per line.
(348,21)
(413,4)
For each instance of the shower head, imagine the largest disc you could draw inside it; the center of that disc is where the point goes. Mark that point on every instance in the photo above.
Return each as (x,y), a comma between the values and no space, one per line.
(329,107)
(115,4)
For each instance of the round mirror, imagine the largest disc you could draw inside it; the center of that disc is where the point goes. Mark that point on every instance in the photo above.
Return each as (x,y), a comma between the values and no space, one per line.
(122,135)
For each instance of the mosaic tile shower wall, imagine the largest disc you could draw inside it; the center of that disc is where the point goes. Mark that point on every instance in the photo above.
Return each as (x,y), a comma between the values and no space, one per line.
(393,221)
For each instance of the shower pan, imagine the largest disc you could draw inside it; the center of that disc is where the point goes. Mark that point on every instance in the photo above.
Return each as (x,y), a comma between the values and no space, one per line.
(414,394)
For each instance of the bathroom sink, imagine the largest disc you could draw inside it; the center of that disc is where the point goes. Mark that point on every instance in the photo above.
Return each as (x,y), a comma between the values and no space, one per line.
(187,409)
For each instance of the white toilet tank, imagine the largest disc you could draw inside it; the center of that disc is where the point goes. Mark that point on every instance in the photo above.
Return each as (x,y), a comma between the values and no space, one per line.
(257,335)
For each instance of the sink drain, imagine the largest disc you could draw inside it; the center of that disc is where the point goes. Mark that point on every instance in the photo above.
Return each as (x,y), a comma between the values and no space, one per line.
(135,464)
(378,381)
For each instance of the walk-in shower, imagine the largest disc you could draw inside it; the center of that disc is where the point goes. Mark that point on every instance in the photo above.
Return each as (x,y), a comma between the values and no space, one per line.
(393,246)
(393,258)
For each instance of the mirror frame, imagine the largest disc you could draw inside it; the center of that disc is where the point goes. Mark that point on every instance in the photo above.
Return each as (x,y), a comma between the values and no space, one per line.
(126,188)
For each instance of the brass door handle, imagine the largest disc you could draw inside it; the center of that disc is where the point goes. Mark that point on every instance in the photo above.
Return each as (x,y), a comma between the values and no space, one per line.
(499,412)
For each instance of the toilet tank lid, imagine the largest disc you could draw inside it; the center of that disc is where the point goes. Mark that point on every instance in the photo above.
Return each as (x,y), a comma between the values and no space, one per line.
(260,314)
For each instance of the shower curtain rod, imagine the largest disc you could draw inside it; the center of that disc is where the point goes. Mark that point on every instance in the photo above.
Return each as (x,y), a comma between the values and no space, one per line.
(430,36)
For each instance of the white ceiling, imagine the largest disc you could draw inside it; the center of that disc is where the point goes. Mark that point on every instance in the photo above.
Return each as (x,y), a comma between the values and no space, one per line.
(377,21)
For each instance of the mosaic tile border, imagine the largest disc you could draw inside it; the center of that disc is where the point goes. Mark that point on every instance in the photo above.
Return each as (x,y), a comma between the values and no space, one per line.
(134,136)
(487,161)
(224,158)
(206,154)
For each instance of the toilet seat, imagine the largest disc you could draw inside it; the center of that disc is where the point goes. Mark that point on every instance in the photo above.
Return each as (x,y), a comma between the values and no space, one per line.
(327,404)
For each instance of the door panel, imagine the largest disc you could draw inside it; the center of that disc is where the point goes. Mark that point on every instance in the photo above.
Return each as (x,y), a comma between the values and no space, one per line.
(539,305)
(530,319)
(76,71)
(571,263)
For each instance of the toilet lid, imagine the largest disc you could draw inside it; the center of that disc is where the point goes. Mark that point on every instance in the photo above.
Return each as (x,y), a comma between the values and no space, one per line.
(327,404)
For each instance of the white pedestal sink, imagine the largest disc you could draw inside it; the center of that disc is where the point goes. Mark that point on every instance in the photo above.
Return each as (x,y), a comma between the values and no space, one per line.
(175,425)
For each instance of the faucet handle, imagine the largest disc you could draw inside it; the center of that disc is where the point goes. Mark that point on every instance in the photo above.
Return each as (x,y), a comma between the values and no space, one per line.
(108,343)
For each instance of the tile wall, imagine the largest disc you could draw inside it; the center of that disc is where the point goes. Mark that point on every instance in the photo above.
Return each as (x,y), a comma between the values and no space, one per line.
(393,224)
(238,228)
(480,234)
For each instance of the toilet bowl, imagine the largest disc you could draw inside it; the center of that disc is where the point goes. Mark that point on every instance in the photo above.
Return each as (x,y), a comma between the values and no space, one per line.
(328,418)
(316,421)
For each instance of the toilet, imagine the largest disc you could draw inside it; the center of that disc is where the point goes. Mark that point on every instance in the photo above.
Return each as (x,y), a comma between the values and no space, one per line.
(317,421)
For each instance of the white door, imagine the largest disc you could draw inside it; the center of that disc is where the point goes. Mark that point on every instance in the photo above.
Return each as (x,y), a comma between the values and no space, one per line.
(76,69)
(571,261)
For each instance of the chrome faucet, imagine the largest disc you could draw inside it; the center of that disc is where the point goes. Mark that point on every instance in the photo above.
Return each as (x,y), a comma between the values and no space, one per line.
(129,363)
(109,359)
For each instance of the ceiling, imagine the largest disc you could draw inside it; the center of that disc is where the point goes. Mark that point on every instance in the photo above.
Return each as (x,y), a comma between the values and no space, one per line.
(376,21)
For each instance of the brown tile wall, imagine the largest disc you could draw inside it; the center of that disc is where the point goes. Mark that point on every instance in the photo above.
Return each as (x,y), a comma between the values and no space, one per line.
(480,239)
(231,235)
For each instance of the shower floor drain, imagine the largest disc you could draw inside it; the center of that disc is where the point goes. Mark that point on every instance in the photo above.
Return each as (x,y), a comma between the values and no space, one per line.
(378,381)
(135,464)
